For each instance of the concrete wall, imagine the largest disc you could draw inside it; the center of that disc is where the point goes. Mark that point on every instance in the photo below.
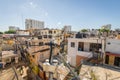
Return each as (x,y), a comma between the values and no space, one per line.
(113,45)
(86,46)
(73,51)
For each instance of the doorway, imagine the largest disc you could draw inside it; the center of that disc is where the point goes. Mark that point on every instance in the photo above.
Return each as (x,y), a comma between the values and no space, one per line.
(107,59)
(117,61)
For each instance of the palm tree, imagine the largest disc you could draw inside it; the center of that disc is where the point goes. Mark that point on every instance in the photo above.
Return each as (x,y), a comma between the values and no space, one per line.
(104,31)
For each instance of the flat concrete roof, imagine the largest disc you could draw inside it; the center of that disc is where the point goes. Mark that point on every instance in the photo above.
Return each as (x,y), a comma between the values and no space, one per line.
(6,54)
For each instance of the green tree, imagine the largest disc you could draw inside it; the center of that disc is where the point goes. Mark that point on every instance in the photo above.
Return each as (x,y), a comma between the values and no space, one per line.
(10,32)
(1,32)
(104,30)
(84,30)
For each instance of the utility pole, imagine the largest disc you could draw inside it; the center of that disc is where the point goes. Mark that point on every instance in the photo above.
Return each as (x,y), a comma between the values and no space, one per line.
(50,59)
(51,52)
(0,54)
(1,50)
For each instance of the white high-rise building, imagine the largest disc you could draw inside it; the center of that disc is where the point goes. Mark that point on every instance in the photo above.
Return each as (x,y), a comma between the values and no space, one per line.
(33,24)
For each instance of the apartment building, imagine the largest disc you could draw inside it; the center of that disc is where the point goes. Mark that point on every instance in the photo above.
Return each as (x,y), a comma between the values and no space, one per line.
(84,48)
(39,52)
(14,28)
(112,52)
(33,24)
(9,57)
(22,32)
(46,34)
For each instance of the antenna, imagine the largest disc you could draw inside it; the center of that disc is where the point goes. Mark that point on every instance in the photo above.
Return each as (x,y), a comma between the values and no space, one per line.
(22,19)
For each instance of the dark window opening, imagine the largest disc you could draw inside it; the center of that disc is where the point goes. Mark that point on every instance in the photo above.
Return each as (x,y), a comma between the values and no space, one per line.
(33,56)
(50,32)
(45,36)
(107,59)
(80,46)
(55,32)
(50,36)
(117,61)
(72,44)
(95,46)
(40,43)
(39,37)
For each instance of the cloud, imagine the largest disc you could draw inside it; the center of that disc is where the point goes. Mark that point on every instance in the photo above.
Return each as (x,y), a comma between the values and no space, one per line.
(32,5)
(29,5)
(32,9)
(59,23)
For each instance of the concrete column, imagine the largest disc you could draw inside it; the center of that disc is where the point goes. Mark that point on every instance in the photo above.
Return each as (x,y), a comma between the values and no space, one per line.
(16,59)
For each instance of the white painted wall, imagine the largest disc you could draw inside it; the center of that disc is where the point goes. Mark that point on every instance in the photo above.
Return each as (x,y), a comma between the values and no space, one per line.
(85,54)
(86,46)
(73,52)
(114,46)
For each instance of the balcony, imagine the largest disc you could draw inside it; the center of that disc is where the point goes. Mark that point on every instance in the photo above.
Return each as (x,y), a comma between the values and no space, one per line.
(85,54)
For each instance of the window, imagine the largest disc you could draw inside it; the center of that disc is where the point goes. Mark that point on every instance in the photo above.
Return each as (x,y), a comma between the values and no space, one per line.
(46,33)
(80,46)
(107,59)
(117,61)
(55,32)
(42,32)
(33,56)
(50,36)
(39,37)
(45,36)
(95,46)
(40,43)
(39,33)
(72,44)
(50,32)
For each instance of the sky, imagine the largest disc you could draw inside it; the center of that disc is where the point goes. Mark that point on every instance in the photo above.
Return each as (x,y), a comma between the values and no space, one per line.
(57,13)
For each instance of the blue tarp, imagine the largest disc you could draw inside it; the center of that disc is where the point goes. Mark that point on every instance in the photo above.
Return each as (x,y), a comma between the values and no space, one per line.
(1,65)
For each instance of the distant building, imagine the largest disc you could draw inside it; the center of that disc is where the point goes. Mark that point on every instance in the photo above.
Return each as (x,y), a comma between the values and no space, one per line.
(23,32)
(81,35)
(67,28)
(14,28)
(34,24)
(45,35)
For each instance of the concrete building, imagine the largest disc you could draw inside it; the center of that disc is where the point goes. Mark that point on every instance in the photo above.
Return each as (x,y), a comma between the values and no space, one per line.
(14,28)
(112,56)
(48,34)
(23,32)
(9,57)
(67,28)
(83,48)
(33,24)
(118,36)
(39,53)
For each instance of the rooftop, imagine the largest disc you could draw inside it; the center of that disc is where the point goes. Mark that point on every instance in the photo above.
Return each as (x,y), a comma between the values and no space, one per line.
(6,54)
